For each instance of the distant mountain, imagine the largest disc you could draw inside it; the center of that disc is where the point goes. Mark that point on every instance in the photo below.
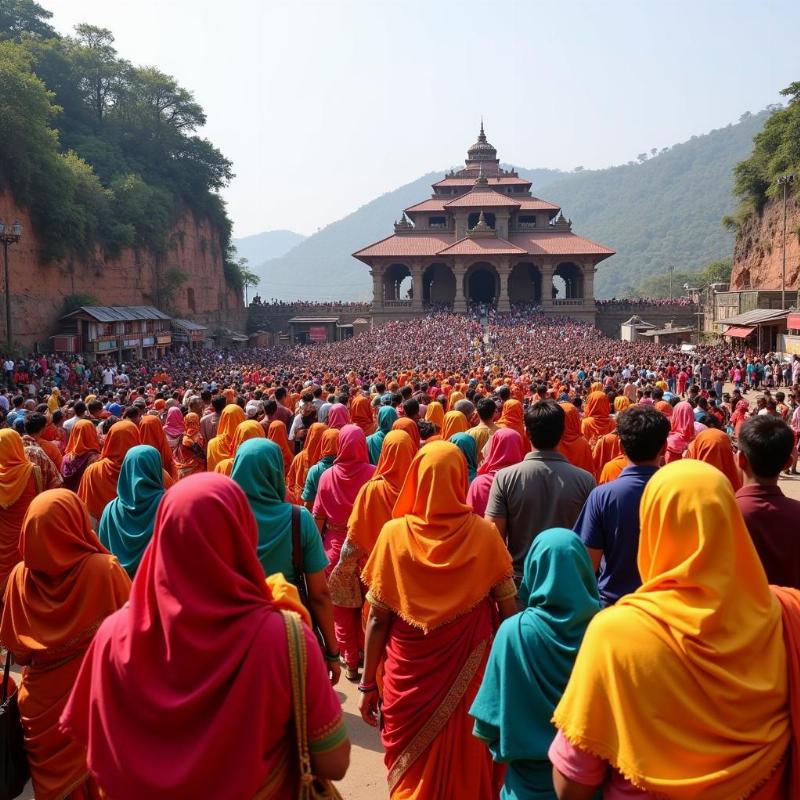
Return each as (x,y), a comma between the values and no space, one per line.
(269,244)
(665,210)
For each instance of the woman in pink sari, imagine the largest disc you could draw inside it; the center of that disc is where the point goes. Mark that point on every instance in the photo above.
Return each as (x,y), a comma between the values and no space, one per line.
(505,449)
(333,504)
(683,431)
(338,416)
(174,427)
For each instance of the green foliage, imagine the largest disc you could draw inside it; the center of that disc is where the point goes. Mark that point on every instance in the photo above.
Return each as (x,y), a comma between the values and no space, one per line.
(170,282)
(23,16)
(659,285)
(72,302)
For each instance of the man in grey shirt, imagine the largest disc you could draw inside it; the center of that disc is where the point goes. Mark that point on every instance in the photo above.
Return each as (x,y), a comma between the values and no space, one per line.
(543,491)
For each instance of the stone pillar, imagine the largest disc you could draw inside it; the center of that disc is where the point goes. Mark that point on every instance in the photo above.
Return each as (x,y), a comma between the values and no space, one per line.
(460,303)
(588,284)
(547,285)
(416,286)
(377,287)
(504,271)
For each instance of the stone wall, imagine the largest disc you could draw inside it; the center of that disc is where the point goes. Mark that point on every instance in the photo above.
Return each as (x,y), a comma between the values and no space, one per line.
(276,320)
(609,318)
(758,253)
(136,277)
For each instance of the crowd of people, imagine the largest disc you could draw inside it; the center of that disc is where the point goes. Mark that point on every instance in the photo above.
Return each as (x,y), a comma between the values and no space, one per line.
(643,303)
(555,565)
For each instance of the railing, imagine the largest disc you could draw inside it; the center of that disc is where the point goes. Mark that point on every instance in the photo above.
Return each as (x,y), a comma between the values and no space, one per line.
(397,303)
(578,301)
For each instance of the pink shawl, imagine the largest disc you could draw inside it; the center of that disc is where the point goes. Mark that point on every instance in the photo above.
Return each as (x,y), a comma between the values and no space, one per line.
(174,425)
(683,431)
(338,416)
(504,449)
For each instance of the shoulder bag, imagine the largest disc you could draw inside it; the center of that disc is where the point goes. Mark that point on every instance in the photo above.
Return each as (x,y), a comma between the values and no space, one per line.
(300,575)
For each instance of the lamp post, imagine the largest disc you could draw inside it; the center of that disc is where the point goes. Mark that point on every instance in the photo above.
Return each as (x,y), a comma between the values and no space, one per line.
(784,181)
(7,238)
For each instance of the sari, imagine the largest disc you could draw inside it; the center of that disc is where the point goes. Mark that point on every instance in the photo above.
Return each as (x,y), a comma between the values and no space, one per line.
(531,661)
(605,449)
(174,428)
(454,422)
(54,401)
(740,414)
(469,449)
(98,486)
(329,446)
(277,433)
(361,414)
(304,460)
(249,429)
(504,450)
(387,416)
(126,525)
(190,456)
(152,432)
(512,417)
(682,433)
(434,567)
(410,427)
(56,597)
(453,398)
(221,446)
(202,642)
(434,414)
(338,416)
(573,445)
(83,449)
(683,685)
(597,420)
(714,447)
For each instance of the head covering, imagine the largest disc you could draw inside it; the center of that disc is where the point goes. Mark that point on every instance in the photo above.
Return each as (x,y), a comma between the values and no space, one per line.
(221,446)
(698,647)
(153,433)
(503,450)
(191,425)
(15,469)
(159,643)
(453,398)
(436,559)
(597,420)
(322,413)
(533,653)
(174,425)
(361,414)
(338,416)
(387,416)
(305,459)
(53,403)
(410,427)
(435,414)
(454,422)
(606,448)
(621,403)
(512,417)
(469,449)
(682,432)
(82,439)
(665,408)
(329,446)
(127,522)
(277,433)
(573,445)
(714,447)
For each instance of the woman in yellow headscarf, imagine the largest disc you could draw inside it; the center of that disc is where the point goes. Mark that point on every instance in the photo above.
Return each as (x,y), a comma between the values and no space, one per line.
(454,422)
(435,574)
(249,429)
(221,446)
(54,401)
(435,415)
(683,687)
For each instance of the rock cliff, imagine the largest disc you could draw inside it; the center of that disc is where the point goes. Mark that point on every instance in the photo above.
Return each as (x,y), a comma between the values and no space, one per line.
(758,253)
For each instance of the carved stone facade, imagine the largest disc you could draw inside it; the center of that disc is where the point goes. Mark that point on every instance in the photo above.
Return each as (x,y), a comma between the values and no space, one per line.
(482,237)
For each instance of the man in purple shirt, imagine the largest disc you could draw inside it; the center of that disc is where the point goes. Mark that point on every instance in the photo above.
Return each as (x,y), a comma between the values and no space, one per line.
(765,448)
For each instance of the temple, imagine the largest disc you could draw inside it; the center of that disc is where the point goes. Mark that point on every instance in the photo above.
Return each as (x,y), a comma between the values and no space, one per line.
(482,237)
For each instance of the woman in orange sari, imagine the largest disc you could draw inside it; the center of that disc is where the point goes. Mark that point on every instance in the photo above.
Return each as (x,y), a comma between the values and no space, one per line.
(151,432)
(277,433)
(98,485)
(82,450)
(190,454)
(436,574)
(513,417)
(454,422)
(361,414)
(56,597)
(249,429)
(19,484)
(410,427)
(303,461)
(606,448)
(221,446)
(597,419)
(573,446)
(714,447)
(435,415)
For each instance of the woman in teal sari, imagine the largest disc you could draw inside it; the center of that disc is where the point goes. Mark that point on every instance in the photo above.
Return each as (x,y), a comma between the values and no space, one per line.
(258,469)
(469,447)
(126,525)
(387,416)
(531,661)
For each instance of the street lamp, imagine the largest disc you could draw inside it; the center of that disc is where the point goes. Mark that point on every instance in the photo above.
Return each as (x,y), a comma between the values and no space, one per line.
(784,181)
(7,238)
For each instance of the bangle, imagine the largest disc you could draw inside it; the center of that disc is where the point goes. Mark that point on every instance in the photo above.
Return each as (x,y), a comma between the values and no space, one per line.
(366,688)
(332,656)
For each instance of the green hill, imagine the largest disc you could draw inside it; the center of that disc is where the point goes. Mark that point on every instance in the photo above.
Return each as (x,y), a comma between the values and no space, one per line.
(665,210)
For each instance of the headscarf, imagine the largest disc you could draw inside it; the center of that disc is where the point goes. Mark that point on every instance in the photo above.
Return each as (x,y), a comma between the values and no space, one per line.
(82,439)
(410,427)
(533,652)
(126,525)
(469,449)
(161,647)
(453,398)
(376,498)
(435,414)
(698,647)
(15,469)
(361,414)
(597,419)
(504,450)
(53,403)
(621,403)
(277,433)
(387,416)
(153,433)
(605,449)
(512,417)
(682,432)
(174,426)
(454,422)
(573,445)
(98,485)
(322,414)
(221,446)
(714,447)
(305,459)
(339,485)
(338,416)
(739,415)
(436,559)
(665,408)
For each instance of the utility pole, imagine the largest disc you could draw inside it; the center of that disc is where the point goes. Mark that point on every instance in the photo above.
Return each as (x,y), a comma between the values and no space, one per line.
(7,238)
(784,181)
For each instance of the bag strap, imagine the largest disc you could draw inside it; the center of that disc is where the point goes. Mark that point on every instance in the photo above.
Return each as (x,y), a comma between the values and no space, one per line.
(297,544)
(296,643)
(6,674)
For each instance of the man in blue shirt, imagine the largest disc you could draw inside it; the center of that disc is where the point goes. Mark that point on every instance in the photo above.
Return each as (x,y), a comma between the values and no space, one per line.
(609,522)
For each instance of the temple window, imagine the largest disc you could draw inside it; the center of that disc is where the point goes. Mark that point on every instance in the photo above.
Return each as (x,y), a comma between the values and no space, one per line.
(437,222)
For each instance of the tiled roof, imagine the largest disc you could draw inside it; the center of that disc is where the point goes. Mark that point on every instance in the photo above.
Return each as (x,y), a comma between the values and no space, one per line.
(487,198)
(505,181)
(536,204)
(410,244)
(483,245)
(543,243)
(432,204)
(119,313)
(755,317)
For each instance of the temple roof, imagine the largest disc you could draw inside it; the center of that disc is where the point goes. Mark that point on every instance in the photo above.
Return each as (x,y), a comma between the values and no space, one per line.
(432,204)
(411,244)
(537,204)
(481,196)
(558,244)
(482,246)
(503,180)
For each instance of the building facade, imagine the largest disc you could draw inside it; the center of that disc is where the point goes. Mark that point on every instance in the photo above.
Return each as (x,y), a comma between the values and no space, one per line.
(482,237)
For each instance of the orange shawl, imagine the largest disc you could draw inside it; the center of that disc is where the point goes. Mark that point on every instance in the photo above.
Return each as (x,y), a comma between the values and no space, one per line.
(304,460)
(605,448)
(452,399)
(277,433)
(15,469)
(376,498)
(98,485)
(221,446)
(512,417)
(151,432)
(410,427)
(361,414)
(435,414)
(436,560)
(573,446)
(83,439)
(249,429)
(714,447)
(597,420)
(613,469)
(454,422)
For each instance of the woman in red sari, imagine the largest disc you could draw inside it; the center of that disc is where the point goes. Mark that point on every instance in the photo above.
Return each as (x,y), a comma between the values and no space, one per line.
(65,586)
(200,647)
(152,432)
(82,450)
(436,576)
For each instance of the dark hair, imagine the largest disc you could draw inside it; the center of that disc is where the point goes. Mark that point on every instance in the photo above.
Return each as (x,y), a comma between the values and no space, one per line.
(411,407)
(271,406)
(767,443)
(504,392)
(132,413)
(80,408)
(94,406)
(280,393)
(642,432)
(34,423)
(486,409)
(544,422)
(426,429)
(205,395)
(218,403)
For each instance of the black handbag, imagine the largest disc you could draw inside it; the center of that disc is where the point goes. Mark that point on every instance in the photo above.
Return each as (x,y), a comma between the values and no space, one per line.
(14,772)
(300,575)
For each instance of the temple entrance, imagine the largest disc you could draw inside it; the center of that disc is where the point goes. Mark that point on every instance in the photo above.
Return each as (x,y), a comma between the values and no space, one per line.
(525,285)
(568,282)
(397,284)
(482,284)
(438,285)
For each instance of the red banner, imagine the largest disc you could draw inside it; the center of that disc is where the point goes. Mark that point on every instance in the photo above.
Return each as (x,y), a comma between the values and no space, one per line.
(318,334)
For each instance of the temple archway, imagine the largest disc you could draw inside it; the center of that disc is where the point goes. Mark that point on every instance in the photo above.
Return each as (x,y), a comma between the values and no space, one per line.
(568,281)
(482,283)
(396,283)
(438,285)
(525,284)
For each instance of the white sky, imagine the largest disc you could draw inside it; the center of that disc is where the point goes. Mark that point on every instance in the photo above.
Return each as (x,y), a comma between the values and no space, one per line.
(324,104)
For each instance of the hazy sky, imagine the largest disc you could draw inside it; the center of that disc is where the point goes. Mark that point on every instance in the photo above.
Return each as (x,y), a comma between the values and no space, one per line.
(324,104)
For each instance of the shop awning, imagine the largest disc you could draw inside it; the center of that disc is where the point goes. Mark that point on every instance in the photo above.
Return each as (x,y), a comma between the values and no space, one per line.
(739,332)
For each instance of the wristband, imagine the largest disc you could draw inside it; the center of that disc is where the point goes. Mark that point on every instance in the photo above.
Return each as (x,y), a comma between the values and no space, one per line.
(366,688)
(332,656)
